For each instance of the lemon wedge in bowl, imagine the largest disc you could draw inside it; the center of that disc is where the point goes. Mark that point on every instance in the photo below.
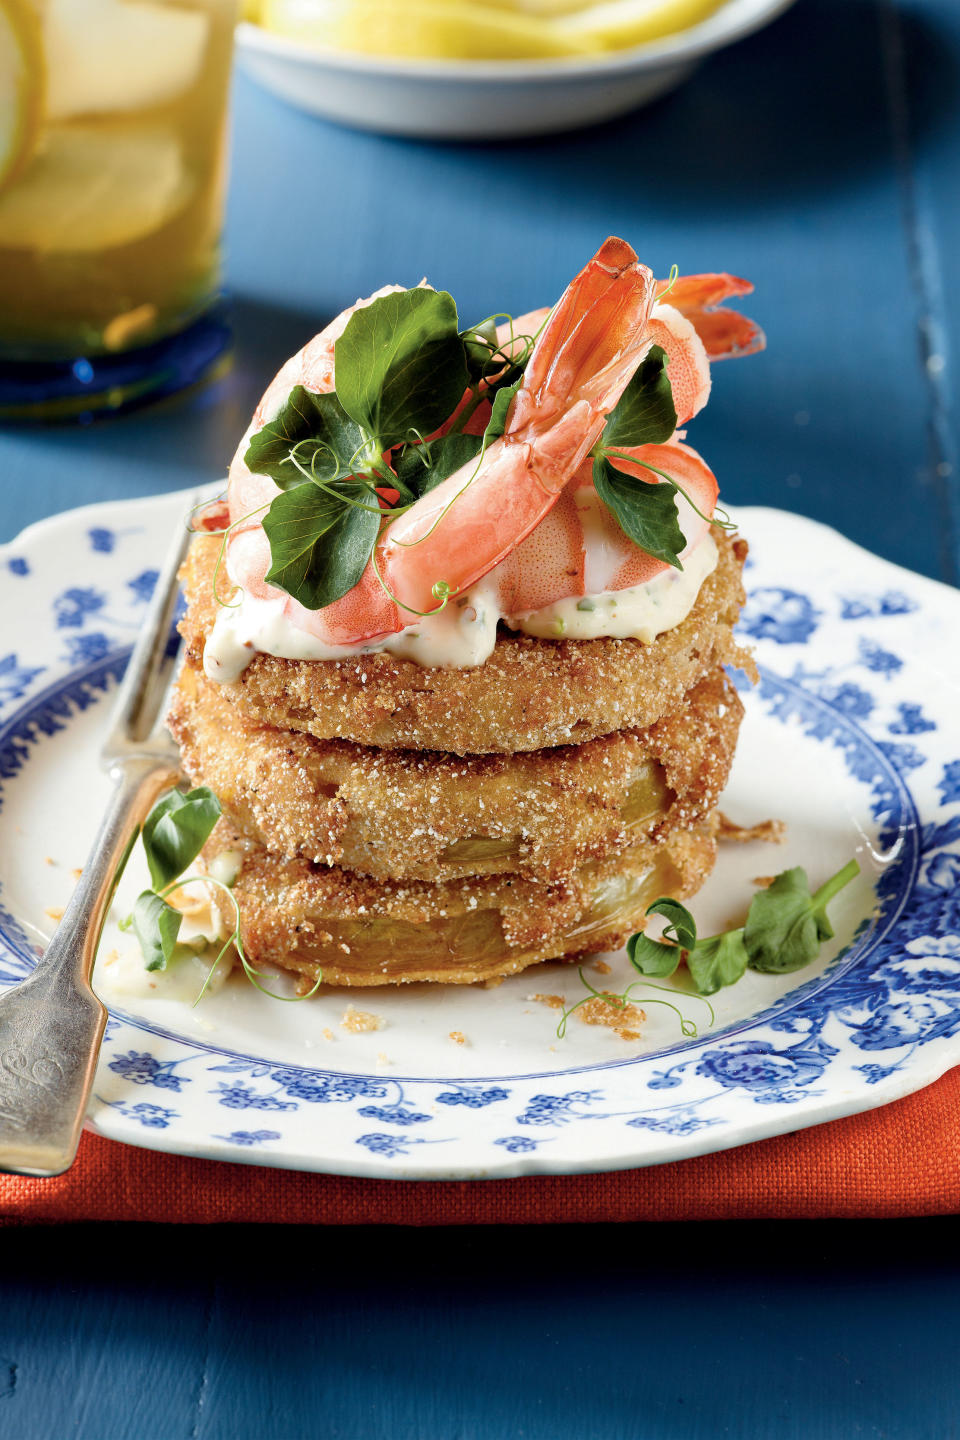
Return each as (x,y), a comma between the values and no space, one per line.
(427,29)
(622,24)
(21,87)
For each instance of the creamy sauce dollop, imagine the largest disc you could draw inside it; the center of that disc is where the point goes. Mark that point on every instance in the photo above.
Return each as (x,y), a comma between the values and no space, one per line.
(463,634)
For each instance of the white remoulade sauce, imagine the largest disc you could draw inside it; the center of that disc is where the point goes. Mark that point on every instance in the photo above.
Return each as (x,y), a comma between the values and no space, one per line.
(463,634)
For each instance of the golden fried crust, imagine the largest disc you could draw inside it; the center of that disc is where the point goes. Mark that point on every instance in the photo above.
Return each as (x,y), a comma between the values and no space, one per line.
(530,694)
(359,931)
(401,814)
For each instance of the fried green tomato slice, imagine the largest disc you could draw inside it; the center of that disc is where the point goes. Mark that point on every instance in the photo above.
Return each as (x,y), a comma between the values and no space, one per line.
(401,814)
(315,920)
(529,695)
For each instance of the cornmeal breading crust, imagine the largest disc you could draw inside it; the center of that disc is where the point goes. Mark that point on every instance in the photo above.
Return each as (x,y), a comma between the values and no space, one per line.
(359,931)
(530,694)
(399,814)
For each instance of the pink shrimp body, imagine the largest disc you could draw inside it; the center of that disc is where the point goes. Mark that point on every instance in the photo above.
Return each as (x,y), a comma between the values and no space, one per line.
(579,549)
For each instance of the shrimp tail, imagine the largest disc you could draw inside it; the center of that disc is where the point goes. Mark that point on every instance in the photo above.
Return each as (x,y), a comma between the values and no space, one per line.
(726,334)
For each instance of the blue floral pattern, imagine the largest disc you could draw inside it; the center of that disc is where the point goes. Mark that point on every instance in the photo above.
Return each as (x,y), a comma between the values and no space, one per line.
(842,667)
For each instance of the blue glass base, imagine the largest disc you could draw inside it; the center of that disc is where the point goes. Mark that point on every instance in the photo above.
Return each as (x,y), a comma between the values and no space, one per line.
(87,388)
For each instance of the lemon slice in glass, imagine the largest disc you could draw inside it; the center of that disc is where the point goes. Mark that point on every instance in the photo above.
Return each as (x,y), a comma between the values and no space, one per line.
(434,29)
(91,189)
(105,56)
(619,24)
(21,87)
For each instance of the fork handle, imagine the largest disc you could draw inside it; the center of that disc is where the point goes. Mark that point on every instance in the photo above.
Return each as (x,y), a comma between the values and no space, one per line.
(51,1024)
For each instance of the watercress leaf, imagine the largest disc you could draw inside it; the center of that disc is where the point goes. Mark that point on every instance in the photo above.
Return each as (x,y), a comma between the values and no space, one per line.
(680,925)
(644,414)
(652,957)
(400,365)
(320,542)
(156,926)
(646,513)
(498,413)
(717,961)
(422,467)
(315,428)
(176,830)
(781,933)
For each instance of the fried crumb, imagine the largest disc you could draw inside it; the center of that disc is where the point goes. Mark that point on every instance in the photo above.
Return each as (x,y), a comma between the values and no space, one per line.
(601,967)
(75,873)
(763,881)
(54,911)
(327,1033)
(49,860)
(358,1022)
(772,832)
(606,1010)
(556,1002)
(112,958)
(383,1059)
(458,1037)
(493,981)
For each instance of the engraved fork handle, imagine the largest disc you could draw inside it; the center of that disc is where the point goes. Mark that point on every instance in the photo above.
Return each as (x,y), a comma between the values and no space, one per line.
(51,1024)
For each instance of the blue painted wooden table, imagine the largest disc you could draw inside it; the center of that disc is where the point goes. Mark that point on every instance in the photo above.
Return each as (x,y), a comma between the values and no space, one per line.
(820,159)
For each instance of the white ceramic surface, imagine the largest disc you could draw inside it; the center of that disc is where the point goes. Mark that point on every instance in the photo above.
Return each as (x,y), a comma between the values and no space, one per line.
(485,99)
(851,738)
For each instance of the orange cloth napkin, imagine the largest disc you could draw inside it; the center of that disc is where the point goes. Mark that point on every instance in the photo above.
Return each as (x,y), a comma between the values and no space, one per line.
(903,1159)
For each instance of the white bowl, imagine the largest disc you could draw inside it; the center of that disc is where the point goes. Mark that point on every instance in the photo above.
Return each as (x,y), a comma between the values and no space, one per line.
(487,99)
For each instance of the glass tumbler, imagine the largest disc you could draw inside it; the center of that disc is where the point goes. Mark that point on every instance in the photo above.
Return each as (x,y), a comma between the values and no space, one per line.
(112,177)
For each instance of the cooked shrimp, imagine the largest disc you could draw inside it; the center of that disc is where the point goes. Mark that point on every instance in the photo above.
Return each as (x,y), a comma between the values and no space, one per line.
(579,549)
(527,516)
(588,350)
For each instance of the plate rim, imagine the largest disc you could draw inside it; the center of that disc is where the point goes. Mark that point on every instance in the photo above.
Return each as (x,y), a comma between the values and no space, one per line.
(929,1063)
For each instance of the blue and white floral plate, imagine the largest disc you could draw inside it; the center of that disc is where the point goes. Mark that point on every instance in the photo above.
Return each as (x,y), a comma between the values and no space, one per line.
(851,738)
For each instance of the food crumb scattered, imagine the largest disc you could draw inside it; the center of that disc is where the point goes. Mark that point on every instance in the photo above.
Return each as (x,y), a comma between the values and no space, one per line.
(458,1037)
(327,1033)
(76,872)
(54,911)
(624,1020)
(493,981)
(112,958)
(556,1002)
(601,967)
(358,1022)
(772,832)
(383,1059)
(49,860)
(763,881)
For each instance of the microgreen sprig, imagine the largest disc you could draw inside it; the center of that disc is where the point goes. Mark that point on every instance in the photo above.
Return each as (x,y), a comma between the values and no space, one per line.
(173,835)
(783,931)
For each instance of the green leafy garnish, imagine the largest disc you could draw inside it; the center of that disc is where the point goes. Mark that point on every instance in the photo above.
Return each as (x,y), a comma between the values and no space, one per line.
(786,924)
(645,511)
(400,365)
(422,467)
(173,834)
(718,961)
(312,438)
(176,830)
(784,929)
(657,957)
(156,926)
(644,414)
(498,412)
(321,540)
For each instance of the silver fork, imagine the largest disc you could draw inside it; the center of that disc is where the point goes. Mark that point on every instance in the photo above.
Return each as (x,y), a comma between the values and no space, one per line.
(51,1024)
